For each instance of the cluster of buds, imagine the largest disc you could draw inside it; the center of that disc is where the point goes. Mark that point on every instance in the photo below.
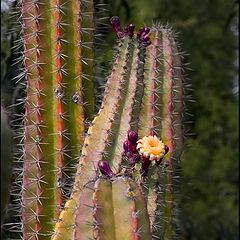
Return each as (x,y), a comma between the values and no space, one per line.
(146,150)
(142,35)
(129,29)
(130,148)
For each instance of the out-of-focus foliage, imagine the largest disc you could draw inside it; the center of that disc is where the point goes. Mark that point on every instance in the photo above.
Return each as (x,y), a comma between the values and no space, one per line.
(9,63)
(6,162)
(207,30)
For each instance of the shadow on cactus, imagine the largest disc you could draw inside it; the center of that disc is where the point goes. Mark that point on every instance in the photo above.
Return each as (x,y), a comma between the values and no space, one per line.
(124,186)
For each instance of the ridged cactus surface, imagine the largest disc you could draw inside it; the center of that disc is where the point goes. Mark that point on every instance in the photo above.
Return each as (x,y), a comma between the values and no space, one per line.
(161,115)
(57,39)
(106,209)
(136,135)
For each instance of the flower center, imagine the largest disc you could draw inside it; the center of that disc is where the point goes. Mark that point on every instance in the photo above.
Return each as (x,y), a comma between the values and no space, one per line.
(152,143)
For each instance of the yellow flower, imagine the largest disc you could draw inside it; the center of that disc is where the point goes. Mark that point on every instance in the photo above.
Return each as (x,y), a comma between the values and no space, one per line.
(151,147)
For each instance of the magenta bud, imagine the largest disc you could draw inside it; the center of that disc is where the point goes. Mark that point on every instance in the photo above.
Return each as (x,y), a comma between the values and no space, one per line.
(105,169)
(129,30)
(143,32)
(127,146)
(132,136)
(166,148)
(115,21)
(143,37)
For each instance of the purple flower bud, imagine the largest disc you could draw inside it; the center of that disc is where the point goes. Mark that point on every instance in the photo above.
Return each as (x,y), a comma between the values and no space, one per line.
(166,148)
(129,30)
(143,37)
(132,136)
(115,21)
(127,146)
(143,32)
(105,169)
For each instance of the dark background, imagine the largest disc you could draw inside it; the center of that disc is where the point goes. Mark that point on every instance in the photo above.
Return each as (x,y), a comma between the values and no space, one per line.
(208,34)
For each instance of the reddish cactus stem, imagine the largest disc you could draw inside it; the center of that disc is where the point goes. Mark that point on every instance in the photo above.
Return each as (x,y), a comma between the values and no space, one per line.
(39,120)
(58,48)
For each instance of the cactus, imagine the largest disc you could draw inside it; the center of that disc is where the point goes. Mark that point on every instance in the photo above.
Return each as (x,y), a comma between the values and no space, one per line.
(57,40)
(143,102)
(161,115)
(101,219)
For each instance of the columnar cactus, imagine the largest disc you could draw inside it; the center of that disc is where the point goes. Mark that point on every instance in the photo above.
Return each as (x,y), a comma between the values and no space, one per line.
(142,104)
(57,38)
(161,115)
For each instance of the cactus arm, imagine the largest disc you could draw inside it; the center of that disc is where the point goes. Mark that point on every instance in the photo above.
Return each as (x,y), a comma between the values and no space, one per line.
(172,126)
(32,154)
(125,118)
(167,133)
(160,115)
(87,27)
(98,132)
(69,123)
(53,133)
(104,210)
(150,114)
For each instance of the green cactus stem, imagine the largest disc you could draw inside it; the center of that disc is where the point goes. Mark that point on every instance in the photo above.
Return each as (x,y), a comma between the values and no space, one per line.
(54,40)
(161,115)
(107,209)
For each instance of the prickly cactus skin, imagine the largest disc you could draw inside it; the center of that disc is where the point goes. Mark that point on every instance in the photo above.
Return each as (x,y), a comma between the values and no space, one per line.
(57,38)
(107,209)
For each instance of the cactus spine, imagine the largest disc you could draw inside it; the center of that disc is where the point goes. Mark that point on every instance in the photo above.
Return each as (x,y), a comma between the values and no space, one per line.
(54,40)
(144,94)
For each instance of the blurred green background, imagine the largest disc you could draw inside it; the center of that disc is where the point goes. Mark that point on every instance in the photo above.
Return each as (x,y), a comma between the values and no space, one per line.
(208,33)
